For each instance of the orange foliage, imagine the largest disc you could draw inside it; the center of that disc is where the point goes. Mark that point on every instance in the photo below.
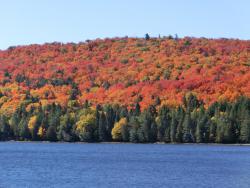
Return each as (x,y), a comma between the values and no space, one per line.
(125,71)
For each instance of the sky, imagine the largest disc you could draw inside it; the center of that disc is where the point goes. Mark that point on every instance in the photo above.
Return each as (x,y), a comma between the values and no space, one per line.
(25,22)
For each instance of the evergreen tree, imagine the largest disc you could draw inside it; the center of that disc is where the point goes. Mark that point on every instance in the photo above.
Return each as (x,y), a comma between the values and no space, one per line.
(190,102)
(179,133)
(147,37)
(51,134)
(245,129)
(137,111)
(148,130)
(141,135)
(64,129)
(54,115)
(212,132)
(167,137)
(110,120)
(102,128)
(163,124)
(14,121)
(135,125)
(153,132)
(221,124)
(201,132)
(187,132)
(179,130)
(4,128)
(125,133)
(35,128)
(229,131)
(157,101)
(24,132)
(173,127)
(133,137)
(123,112)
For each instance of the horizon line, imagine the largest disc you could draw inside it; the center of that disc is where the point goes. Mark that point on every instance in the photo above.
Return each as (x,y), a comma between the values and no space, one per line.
(122,37)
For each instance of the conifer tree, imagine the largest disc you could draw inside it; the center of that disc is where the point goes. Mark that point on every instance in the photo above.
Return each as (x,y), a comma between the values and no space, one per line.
(102,128)
(245,129)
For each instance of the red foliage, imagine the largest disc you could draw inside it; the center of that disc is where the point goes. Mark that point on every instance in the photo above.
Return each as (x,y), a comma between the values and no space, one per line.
(126,70)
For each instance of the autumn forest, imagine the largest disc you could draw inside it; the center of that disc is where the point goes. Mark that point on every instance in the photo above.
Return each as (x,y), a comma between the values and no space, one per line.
(141,90)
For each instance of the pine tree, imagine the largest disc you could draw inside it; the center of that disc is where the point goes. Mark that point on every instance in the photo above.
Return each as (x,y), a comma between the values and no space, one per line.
(51,134)
(24,132)
(212,132)
(187,133)
(190,102)
(125,133)
(64,129)
(163,121)
(173,127)
(110,120)
(148,128)
(198,134)
(200,131)
(4,128)
(141,135)
(153,132)
(102,128)
(14,121)
(179,129)
(220,129)
(134,124)
(245,129)
(133,137)
(137,111)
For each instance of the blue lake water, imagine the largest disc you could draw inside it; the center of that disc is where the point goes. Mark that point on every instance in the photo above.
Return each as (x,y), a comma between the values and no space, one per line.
(123,165)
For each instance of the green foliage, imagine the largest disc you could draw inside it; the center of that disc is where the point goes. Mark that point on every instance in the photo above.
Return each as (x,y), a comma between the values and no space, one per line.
(124,61)
(51,134)
(187,129)
(222,122)
(245,129)
(5,131)
(145,49)
(102,128)
(86,128)
(64,129)
(167,74)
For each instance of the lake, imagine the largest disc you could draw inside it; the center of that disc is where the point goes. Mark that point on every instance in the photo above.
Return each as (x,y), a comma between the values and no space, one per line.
(123,165)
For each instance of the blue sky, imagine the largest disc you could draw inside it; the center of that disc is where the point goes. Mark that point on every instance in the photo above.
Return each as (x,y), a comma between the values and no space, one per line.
(38,21)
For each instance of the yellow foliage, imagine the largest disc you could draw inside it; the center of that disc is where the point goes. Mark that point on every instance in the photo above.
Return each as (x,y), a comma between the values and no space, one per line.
(213,118)
(3,100)
(117,130)
(94,89)
(222,113)
(9,107)
(85,120)
(32,105)
(32,122)
(72,103)
(157,120)
(41,132)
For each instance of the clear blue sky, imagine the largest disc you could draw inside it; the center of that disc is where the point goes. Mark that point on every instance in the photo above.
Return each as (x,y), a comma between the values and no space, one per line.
(39,21)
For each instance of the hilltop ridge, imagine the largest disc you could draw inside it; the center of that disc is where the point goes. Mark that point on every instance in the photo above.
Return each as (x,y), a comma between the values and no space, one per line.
(125,71)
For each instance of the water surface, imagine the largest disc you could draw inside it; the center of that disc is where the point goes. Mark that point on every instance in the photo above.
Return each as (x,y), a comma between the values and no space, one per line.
(123,165)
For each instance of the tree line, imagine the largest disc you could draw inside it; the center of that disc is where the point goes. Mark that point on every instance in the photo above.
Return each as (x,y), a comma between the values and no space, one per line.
(221,122)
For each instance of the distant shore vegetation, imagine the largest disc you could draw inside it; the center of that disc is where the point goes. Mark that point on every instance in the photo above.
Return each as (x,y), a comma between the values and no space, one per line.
(221,122)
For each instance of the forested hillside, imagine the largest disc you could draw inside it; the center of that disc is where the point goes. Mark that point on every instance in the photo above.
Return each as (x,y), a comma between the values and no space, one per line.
(127,89)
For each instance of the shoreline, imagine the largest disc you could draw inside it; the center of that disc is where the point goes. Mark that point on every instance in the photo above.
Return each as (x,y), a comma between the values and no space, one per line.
(156,143)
